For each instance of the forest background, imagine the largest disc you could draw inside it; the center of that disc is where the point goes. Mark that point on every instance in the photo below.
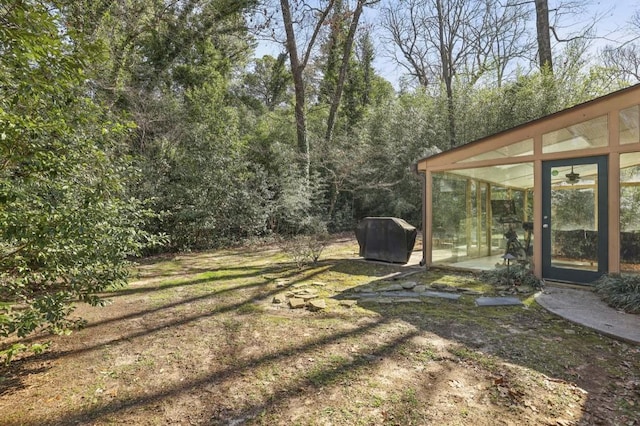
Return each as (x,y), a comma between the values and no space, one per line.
(131,127)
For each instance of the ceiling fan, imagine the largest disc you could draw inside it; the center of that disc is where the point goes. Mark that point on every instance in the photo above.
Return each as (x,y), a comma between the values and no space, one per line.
(573,177)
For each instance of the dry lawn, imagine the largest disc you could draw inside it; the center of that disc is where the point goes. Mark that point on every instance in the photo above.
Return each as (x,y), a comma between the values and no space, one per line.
(196,340)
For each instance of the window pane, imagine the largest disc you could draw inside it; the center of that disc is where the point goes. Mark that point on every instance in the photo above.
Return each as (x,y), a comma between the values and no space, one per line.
(585,135)
(517,149)
(466,232)
(574,220)
(630,125)
(629,208)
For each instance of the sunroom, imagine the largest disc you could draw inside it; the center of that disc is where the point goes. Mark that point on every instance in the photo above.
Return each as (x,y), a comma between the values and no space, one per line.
(560,194)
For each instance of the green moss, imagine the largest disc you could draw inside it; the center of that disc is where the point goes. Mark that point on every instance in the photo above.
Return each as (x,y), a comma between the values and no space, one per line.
(529,336)
(487,362)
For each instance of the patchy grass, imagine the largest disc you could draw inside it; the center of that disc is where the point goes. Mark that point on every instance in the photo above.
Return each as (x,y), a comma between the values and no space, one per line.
(196,339)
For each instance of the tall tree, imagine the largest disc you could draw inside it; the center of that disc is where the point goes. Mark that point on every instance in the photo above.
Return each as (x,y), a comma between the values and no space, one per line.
(344,65)
(267,83)
(310,15)
(543,31)
(556,22)
(624,60)
(438,41)
(168,65)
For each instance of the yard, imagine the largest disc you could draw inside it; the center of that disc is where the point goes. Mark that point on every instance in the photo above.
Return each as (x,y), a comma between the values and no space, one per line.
(197,339)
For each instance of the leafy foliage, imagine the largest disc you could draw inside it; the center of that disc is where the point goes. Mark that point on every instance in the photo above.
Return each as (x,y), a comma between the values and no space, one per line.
(17,348)
(207,193)
(67,225)
(212,142)
(515,275)
(620,291)
(305,249)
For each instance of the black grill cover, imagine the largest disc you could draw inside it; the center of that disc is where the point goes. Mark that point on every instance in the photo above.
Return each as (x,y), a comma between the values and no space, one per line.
(386,238)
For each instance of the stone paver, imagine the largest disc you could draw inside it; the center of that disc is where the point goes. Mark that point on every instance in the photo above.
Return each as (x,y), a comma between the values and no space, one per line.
(587,308)
(408,285)
(441,295)
(348,303)
(296,303)
(317,304)
(398,294)
(391,287)
(498,301)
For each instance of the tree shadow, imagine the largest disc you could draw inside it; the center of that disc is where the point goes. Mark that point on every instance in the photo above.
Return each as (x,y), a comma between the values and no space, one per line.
(300,274)
(184,262)
(526,336)
(462,323)
(12,379)
(222,274)
(153,288)
(305,384)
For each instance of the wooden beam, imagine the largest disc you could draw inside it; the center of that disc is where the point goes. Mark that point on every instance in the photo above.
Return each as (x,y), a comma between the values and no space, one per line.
(614,195)
(468,219)
(427,219)
(537,219)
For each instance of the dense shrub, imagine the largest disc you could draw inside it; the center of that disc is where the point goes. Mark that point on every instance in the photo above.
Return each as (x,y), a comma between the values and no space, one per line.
(620,291)
(67,222)
(517,275)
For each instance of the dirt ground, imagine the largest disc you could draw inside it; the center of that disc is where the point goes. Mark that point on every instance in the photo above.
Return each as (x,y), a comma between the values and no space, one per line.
(197,340)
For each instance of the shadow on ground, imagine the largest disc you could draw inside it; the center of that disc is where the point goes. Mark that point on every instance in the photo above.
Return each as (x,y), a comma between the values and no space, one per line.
(213,349)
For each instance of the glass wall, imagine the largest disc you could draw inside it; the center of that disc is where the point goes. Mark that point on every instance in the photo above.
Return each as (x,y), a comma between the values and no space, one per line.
(574,217)
(585,135)
(469,224)
(517,149)
(630,125)
(629,208)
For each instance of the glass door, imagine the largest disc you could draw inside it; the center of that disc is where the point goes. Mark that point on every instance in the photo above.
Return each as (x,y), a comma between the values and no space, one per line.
(574,219)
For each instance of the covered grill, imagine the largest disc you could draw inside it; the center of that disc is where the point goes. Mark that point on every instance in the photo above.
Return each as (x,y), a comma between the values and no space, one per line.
(389,239)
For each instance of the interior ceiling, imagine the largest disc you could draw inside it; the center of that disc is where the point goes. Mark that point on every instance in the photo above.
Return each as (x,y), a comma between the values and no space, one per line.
(511,175)
(589,134)
(521,175)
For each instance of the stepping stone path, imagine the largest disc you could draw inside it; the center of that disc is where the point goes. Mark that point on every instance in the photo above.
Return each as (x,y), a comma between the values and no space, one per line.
(296,303)
(405,292)
(301,297)
(411,292)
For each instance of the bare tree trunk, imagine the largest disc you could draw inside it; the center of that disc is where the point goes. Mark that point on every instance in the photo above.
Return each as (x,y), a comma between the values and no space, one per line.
(447,74)
(544,34)
(346,55)
(298,83)
(297,68)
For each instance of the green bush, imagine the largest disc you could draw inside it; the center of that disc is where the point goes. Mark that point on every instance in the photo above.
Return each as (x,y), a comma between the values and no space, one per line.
(307,248)
(620,291)
(515,275)
(67,222)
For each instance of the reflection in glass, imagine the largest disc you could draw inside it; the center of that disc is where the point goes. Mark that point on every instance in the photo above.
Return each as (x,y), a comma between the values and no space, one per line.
(517,149)
(574,222)
(449,217)
(465,230)
(629,208)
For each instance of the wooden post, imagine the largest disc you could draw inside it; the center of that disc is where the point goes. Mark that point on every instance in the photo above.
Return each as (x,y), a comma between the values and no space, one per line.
(489,220)
(468,221)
